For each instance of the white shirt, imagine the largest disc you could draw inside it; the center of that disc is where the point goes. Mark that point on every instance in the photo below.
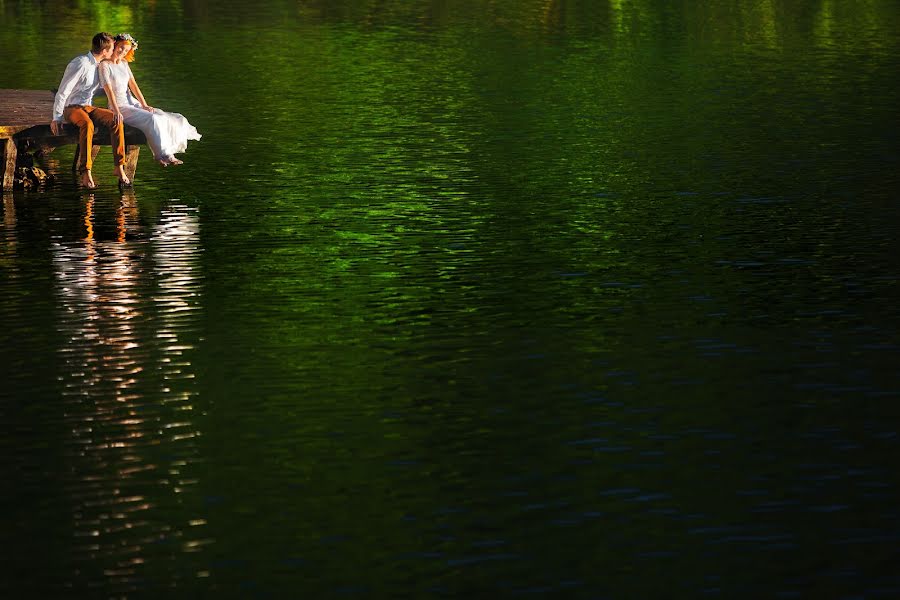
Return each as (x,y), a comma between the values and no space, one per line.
(78,86)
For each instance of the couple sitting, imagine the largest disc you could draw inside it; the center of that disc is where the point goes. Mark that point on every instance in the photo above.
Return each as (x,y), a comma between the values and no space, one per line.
(107,65)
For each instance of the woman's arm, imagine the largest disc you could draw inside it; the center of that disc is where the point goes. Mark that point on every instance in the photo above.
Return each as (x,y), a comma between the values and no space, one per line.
(105,79)
(133,86)
(113,105)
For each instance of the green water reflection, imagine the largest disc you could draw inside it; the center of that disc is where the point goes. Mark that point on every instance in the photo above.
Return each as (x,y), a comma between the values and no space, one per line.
(575,299)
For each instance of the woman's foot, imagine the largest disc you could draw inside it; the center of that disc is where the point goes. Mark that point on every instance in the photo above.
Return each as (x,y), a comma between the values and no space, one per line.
(169,160)
(87,180)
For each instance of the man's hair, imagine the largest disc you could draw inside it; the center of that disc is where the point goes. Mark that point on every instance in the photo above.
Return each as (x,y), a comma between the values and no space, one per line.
(101,42)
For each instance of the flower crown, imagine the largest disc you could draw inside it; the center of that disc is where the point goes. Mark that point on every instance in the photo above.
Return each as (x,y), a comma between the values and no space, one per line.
(127,37)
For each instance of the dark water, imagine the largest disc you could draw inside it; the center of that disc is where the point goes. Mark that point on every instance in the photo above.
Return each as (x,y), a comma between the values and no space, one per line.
(554,299)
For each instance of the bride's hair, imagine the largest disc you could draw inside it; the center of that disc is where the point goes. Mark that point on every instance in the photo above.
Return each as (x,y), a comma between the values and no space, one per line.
(126,37)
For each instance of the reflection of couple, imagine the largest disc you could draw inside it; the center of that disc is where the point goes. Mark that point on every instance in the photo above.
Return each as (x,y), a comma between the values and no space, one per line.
(107,65)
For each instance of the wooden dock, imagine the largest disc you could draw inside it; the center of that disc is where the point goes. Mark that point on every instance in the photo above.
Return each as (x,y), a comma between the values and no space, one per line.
(25,130)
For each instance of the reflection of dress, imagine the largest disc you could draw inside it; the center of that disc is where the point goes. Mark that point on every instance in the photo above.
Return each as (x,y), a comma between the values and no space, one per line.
(167,133)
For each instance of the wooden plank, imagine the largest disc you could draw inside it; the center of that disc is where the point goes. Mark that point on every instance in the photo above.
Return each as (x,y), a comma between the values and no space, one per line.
(131,160)
(9,162)
(21,109)
(41,134)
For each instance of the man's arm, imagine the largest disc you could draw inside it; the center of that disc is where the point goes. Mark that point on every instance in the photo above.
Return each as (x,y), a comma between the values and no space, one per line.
(69,80)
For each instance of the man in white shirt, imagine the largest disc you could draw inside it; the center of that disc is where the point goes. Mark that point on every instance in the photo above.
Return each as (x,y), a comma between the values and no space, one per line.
(74,103)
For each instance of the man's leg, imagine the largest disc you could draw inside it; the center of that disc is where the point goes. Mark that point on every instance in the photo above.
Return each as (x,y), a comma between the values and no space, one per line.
(107,118)
(76,115)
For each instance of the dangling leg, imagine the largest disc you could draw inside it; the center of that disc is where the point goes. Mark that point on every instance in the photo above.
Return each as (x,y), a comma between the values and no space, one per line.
(81,119)
(116,140)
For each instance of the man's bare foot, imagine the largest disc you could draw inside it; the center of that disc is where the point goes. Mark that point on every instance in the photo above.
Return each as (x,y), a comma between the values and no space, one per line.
(163,162)
(87,180)
(123,178)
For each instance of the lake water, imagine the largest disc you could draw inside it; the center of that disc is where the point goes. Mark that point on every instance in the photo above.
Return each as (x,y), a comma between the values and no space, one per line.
(456,299)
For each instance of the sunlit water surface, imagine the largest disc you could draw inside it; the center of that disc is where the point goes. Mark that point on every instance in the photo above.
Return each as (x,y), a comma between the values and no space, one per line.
(463,298)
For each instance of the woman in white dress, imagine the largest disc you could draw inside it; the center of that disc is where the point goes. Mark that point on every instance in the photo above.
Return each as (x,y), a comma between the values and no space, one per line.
(167,133)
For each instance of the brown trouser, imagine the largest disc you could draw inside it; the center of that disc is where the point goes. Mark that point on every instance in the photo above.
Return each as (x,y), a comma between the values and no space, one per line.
(84,118)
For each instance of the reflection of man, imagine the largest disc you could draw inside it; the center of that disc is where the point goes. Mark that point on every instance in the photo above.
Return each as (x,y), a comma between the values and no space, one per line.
(74,104)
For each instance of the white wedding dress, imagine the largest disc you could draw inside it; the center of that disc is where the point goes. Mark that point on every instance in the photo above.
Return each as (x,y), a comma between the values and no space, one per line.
(167,133)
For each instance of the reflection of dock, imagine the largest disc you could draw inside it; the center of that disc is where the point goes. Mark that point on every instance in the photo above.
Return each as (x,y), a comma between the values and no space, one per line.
(25,128)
